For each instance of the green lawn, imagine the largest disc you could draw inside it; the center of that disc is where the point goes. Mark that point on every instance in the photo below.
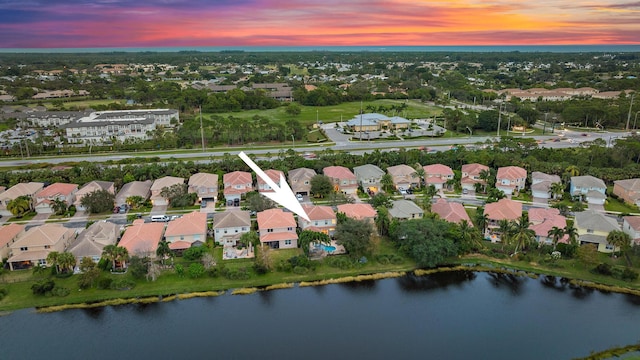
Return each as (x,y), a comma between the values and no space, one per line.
(613,204)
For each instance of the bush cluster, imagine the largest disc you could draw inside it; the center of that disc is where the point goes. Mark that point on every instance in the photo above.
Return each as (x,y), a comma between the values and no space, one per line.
(626,274)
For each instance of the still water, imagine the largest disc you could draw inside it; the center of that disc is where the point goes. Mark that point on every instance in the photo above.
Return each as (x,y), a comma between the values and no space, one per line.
(461,315)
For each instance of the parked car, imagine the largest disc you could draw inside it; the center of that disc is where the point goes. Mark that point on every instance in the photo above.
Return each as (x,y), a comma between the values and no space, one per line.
(299,197)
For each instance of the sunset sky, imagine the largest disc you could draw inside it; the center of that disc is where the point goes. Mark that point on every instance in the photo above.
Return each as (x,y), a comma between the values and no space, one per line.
(184,23)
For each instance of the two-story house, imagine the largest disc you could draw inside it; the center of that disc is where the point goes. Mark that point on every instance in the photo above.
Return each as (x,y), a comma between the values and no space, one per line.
(8,234)
(369,177)
(277,229)
(342,178)
(157,199)
(593,228)
(34,246)
(631,225)
(589,188)
(404,176)
(90,187)
(228,226)
(628,190)
(57,191)
(205,185)
(236,184)
(437,175)
(321,219)
(22,189)
(471,176)
(274,175)
(541,184)
(187,231)
(300,180)
(511,179)
(503,209)
(542,220)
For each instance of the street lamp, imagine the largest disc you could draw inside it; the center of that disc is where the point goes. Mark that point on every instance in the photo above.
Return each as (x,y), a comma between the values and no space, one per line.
(499,118)
(635,119)
(470,132)
(293,141)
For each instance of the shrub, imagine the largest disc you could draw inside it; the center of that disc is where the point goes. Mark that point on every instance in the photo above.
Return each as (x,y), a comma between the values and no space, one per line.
(60,291)
(43,287)
(3,293)
(122,284)
(603,269)
(104,283)
(194,253)
(340,262)
(300,270)
(179,270)
(629,275)
(196,270)
(236,274)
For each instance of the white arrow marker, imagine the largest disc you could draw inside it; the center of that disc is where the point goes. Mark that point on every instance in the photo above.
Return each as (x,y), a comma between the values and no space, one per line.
(282,194)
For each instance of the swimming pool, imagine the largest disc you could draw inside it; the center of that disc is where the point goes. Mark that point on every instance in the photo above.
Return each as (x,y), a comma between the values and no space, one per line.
(326,248)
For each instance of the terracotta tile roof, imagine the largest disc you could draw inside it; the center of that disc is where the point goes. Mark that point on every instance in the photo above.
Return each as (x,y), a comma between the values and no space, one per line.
(450,211)
(189,224)
(543,220)
(503,209)
(179,245)
(9,232)
(275,218)
(511,173)
(231,218)
(339,172)
(57,189)
(166,181)
(279,236)
(273,175)
(437,170)
(319,212)
(633,221)
(142,238)
(473,169)
(237,178)
(358,211)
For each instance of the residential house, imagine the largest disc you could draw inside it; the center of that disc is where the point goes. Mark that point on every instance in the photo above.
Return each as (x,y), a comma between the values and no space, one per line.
(92,240)
(160,184)
(360,211)
(321,219)
(228,226)
(277,229)
(187,231)
(34,245)
(511,179)
(404,176)
(91,187)
(589,188)
(142,239)
(628,190)
(22,189)
(471,176)
(369,177)
(452,212)
(342,178)
(503,209)
(134,188)
(631,225)
(53,192)
(437,175)
(542,220)
(236,184)
(593,228)
(300,180)
(8,234)
(274,175)
(541,184)
(205,185)
(405,210)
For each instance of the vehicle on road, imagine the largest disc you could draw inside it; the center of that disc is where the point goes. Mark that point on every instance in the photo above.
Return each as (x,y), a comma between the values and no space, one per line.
(159,218)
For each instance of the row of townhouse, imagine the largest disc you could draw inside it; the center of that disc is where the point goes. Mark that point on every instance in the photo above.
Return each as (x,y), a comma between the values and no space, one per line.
(205,185)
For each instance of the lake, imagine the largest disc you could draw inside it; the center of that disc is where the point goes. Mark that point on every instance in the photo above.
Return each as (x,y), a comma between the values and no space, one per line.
(456,315)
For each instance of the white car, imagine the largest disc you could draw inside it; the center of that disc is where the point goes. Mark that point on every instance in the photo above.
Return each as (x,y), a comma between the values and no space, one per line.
(299,197)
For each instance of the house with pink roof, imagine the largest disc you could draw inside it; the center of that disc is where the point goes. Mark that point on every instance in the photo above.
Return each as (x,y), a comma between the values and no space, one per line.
(342,178)
(511,179)
(321,219)
(542,220)
(57,191)
(452,212)
(160,184)
(236,184)
(142,239)
(437,175)
(187,231)
(274,175)
(404,176)
(359,211)
(8,234)
(631,225)
(503,209)
(471,176)
(277,229)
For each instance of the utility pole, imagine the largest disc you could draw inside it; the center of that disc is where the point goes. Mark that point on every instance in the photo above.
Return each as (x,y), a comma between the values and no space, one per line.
(201,128)
(630,106)
(360,120)
(499,118)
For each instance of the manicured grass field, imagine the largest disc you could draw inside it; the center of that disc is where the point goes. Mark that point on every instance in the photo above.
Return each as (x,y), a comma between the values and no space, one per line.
(614,204)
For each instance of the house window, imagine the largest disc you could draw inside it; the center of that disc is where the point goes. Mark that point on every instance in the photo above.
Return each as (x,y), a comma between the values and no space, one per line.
(289,229)
(287,242)
(24,248)
(217,231)
(269,230)
(590,231)
(225,231)
(181,237)
(47,246)
(42,262)
(236,231)
(326,222)
(609,247)
(306,182)
(244,228)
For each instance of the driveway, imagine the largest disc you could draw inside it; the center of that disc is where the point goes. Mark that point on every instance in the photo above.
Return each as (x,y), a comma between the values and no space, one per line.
(595,207)
(159,210)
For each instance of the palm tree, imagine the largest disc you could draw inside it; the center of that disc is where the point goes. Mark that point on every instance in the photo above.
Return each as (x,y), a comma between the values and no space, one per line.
(419,173)
(556,189)
(555,233)
(58,206)
(122,256)
(619,239)
(53,260)
(67,261)
(505,228)
(109,254)
(522,235)
(572,170)
(572,232)
(482,220)
(485,176)
(387,182)
(430,191)
(470,235)
(383,223)
(163,250)
(20,206)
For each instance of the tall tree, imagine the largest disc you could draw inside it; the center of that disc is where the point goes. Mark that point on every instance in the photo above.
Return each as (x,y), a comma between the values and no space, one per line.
(58,206)
(98,201)
(20,206)
(308,237)
(387,183)
(321,186)
(619,239)
(470,238)
(427,241)
(163,251)
(523,236)
(555,233)
(355,236)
